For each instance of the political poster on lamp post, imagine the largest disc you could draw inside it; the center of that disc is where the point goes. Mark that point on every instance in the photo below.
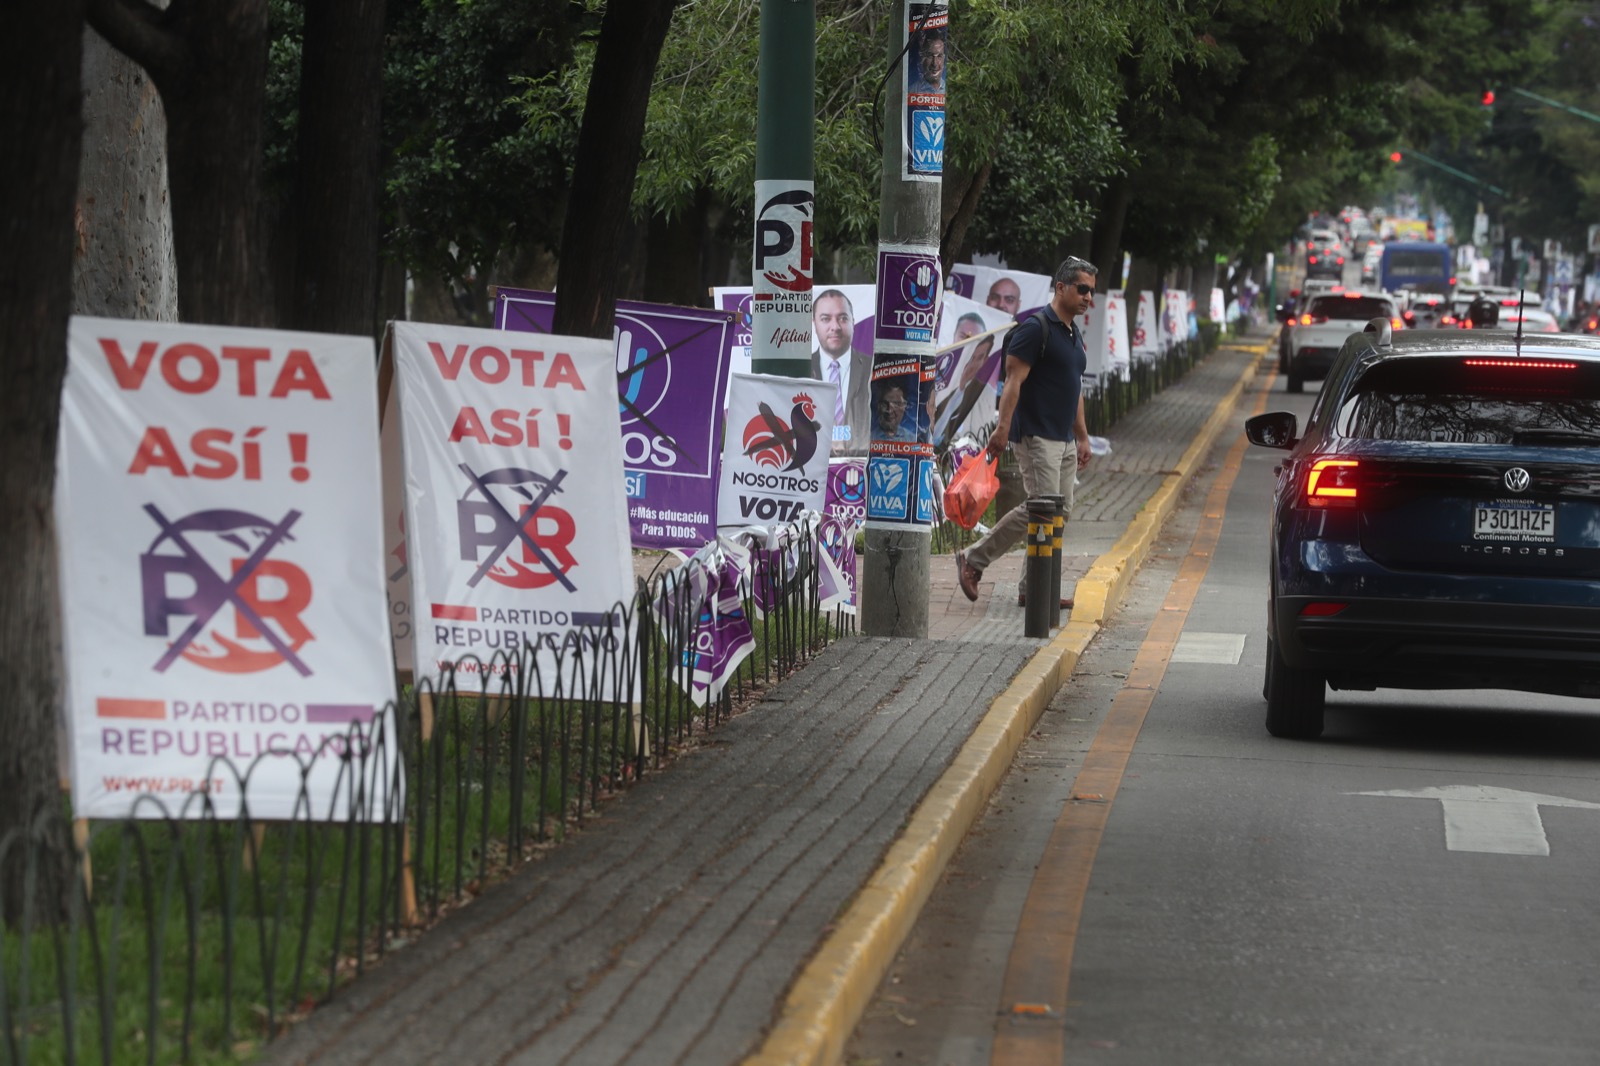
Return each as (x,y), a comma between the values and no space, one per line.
(516,521)
(224,619)
(671,365)
(923,77)
(775,453)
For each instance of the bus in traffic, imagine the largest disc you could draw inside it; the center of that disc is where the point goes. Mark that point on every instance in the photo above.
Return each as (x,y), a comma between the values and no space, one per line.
(1425,266)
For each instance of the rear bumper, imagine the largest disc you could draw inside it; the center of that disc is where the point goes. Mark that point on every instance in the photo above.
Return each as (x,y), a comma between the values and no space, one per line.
(1312,362)
(1443,644)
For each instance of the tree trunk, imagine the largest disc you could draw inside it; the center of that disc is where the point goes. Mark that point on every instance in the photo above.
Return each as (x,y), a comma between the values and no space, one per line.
(1105,247)
(955,229)
(596,227)
(123,264)
(41,62)
(209,60)
(337,172)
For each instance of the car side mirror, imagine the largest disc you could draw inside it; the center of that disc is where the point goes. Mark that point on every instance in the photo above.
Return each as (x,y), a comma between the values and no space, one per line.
(1273,430)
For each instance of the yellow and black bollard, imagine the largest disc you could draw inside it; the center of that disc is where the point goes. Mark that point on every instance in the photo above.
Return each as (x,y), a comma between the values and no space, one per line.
(1059,503)
(1036,577)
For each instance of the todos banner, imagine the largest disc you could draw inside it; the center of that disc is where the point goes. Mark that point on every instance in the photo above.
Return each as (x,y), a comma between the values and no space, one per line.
(515,516)
(217,503)
(775,453)
(671,367)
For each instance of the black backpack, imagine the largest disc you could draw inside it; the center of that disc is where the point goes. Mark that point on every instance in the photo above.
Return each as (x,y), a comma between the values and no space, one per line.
(1005,345)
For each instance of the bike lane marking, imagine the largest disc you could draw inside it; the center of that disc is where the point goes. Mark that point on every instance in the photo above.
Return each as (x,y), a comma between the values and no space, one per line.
(1031,1026)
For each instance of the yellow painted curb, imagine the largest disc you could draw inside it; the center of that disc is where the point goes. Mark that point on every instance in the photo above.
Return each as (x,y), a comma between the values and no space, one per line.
(832,992)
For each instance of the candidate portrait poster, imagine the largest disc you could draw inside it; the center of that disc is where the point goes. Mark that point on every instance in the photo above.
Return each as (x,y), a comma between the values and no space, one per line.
(671,363)
(966,365)
(516,522)
(843,320)
(222,584)
(775,453)
(923,80)
(1015,292)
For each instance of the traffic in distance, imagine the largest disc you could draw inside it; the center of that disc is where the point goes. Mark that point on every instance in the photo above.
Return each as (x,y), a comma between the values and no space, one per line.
(1436,521)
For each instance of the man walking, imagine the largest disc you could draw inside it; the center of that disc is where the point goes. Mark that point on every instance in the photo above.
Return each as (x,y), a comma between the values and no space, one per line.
(1041,409)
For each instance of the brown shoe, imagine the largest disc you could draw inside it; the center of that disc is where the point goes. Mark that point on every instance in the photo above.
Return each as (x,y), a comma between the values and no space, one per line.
(968,576)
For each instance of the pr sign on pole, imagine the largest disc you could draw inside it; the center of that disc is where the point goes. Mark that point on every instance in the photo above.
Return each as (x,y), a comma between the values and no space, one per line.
(516,521)
(218,508)
(780,295)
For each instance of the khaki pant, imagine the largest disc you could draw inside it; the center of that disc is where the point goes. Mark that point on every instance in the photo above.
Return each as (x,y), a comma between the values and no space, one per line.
(1049,468)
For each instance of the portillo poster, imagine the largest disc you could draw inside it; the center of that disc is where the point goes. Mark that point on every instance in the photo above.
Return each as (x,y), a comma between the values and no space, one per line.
(671,367)
(225,630)
(516,522)
(775,453)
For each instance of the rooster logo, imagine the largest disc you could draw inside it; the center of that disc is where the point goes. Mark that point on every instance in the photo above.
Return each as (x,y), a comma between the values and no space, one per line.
(771,442)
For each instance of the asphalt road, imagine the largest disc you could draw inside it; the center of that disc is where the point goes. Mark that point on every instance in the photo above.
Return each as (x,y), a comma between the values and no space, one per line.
(1250,900)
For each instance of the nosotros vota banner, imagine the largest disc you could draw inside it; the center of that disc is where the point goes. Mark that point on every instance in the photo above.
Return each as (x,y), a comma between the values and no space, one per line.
(516,522)
(775,455)
(671,371)
(222,579)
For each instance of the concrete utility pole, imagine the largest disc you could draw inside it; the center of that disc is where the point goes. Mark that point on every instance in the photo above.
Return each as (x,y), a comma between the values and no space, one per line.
(900,462)
(780,304)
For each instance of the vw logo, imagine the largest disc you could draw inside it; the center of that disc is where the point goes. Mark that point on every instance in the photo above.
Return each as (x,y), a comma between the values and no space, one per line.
(1517,479)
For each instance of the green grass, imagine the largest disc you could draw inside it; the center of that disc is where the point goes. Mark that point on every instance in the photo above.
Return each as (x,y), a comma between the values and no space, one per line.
(194,927)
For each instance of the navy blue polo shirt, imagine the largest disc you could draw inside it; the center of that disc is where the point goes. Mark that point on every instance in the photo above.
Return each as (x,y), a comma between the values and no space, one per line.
(1048,404)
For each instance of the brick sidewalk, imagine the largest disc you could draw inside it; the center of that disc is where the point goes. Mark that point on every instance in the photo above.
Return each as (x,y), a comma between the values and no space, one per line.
(670,928)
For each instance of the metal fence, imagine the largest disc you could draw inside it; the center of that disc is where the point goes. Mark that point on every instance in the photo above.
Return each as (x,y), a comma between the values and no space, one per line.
(189,937)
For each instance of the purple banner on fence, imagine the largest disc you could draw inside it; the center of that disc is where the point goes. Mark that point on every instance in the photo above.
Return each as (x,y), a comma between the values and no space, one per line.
(724,635)
(846,512)
(672,369)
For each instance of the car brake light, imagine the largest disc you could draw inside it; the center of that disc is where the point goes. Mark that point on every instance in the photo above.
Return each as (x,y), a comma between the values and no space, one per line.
(1341,260)
(1396,323)
(1452,283)
(1521,364)
(1321,609)
(1332,483)
(1508,303)
(1311,259)
(1305,320)
(1448,320)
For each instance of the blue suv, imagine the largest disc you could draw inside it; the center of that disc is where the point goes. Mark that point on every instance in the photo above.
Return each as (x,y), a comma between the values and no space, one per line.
(1438,524)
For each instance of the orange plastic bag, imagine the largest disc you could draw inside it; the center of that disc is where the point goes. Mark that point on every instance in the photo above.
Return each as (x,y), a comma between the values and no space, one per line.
(972,490)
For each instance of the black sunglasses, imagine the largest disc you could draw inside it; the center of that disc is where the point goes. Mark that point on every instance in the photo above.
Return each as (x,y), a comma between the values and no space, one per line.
(1083,290)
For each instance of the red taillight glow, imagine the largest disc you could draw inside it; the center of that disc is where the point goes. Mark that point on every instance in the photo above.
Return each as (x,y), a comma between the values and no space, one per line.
(1311,259)
(1321,609)
(1521,364)
(1332,483)
(1395,323)
(1305,320)
(1352,296)
(1340,260)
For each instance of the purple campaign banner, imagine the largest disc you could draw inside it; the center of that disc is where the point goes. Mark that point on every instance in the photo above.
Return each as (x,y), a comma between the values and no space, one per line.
(672,371)
(908,296)
(846,513)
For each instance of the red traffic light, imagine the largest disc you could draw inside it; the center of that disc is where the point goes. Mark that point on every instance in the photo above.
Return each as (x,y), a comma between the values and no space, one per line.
(1488,98)
(1395,157)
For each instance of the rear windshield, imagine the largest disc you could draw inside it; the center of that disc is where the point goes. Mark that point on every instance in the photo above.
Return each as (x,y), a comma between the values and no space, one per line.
(1424,264)
(1352,308)
(1448,400)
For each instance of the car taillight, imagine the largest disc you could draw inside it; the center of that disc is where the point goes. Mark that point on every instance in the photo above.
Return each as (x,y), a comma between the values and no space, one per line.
(1594,323)
(1321,609)
(1395,323)
(1340,260)
(1305,320)
(1311,259)
(1447,320)
(1521,364)
(1332,483)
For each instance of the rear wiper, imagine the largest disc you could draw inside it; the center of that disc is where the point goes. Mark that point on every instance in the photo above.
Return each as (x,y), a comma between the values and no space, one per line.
(1575,436)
